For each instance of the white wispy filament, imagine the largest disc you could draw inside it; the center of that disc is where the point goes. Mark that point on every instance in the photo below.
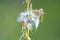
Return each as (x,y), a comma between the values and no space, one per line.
(31,17)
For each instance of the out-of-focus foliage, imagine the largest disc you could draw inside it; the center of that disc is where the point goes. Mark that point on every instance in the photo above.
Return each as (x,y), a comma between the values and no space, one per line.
(10,29)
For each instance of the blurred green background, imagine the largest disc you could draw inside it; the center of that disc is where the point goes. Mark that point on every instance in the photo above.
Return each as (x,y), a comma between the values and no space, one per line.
(10,29)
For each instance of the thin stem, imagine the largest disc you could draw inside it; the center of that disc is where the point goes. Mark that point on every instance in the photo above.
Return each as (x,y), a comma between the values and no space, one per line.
(28,4)
(28,9)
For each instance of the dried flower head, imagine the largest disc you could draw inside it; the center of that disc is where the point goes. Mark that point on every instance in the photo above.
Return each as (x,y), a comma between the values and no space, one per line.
(38,12)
